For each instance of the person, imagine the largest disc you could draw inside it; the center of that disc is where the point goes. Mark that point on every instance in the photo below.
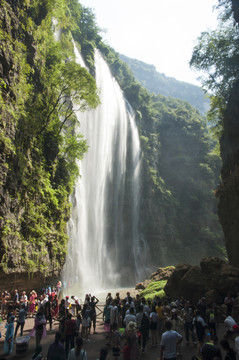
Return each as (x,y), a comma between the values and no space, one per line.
(21,320)
(115,342)
(229,301)
(39,329)
(24,299)
(187,315)
(32,302)
(56,349)
(103,353)
(76,306)
(8,342)
(93,302)
(200,326)
(70,329)
(15,301)
(236,331)
(153,321)
(77,353)
(47,311)
(130,317)
(131,334)
(229,322)
(85,322)
(230,353)
(143,326)
(209,349)
(54,307)
(169,341)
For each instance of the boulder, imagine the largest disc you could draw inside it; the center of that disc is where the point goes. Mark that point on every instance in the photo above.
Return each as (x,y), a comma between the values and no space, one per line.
(213,279)
(211,264)
(162,273)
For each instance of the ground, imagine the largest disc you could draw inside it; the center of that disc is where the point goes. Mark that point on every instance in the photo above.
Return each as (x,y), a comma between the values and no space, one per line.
(97,341)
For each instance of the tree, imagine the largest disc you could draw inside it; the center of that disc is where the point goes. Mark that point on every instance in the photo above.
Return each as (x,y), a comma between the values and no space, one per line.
(217,56)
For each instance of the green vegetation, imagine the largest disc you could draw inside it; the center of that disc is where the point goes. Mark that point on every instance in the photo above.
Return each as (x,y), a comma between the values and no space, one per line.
(155,288)
(39,140)
(40,143)
(159,83)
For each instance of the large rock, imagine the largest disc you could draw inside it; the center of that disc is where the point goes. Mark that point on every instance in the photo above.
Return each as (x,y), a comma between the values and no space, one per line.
(213,279)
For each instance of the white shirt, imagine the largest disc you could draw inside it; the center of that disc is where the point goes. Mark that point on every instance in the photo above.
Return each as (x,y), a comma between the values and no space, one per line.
(230,322)
(237,344)
(169,340)
(130,317)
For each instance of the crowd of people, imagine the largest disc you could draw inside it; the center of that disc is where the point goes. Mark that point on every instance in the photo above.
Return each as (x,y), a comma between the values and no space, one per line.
(129,325)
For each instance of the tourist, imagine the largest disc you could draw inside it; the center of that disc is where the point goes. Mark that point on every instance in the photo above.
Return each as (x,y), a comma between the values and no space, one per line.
(32,302)
(70,329)
(47,311)
(4,298)
(115,341)
(236,331)
(93,302)
(187,315)
(229,301)
(103,353)
(130,317)
(39,329)
(169,341)
(58,288)
(229,322)
(114,314)
(159,308)
(24,299)
(153,321)
(85,322)
(200,326)
(230,353)
(56,349)
(8,342)
(76,306)
(131,334)
(78,353)
(109,298)
(143,326)
(16,303)
(21,320)
(209,350)
(54,307)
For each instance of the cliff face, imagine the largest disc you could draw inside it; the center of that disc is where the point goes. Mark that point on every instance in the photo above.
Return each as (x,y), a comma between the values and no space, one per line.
(38,145)
(229,189)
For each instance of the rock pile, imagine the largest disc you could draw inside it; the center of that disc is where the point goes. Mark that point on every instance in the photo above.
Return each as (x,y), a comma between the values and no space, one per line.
(158,275)
(213,279)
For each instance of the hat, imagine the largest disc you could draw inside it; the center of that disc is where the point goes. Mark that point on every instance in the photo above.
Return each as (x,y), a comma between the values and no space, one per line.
(132,326)
(235,327)
(67,297)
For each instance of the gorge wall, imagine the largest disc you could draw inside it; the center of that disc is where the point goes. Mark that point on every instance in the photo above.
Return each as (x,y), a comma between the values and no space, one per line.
(40,148)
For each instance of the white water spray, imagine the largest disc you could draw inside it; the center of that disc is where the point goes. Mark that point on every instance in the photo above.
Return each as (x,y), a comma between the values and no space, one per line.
(104,240)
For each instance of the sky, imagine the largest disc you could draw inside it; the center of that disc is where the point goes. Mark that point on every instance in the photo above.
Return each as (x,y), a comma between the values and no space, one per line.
(158,32)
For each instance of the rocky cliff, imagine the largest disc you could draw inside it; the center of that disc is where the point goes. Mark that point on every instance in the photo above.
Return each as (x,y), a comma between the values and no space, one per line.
(228,191)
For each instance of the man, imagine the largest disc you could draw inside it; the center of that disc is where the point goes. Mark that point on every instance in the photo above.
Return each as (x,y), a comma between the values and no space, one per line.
(56,350)
(21,320)
(209,349)
(169,341)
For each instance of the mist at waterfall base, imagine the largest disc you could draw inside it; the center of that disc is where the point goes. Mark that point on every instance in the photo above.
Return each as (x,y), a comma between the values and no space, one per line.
(105,248)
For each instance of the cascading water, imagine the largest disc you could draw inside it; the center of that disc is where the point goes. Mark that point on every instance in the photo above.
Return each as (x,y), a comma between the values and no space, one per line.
(104,248)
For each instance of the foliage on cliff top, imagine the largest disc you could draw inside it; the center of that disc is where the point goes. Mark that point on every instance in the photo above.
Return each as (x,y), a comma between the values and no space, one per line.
(155,288)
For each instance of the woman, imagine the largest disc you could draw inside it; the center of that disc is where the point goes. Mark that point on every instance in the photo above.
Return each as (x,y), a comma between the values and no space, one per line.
(77,353)
(32,302)
(39,330)
(132,340)
(8,343)
(55,307)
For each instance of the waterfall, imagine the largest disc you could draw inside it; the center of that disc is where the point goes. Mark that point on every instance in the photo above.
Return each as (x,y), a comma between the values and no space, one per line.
(105,248)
